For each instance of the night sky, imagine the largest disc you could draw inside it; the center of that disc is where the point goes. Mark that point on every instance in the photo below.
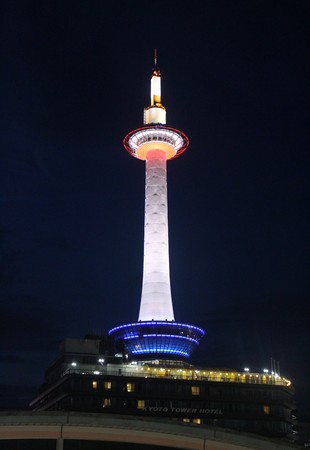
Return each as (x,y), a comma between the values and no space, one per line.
(75,78)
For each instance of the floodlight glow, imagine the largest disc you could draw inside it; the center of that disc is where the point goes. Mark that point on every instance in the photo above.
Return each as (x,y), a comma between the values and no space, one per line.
(134,336)
(155,89)
(171,336)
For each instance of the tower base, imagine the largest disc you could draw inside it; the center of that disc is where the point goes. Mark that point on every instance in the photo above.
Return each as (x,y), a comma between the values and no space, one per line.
(158,339)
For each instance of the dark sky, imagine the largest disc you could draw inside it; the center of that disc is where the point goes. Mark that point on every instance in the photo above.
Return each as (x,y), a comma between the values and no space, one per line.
(74,80)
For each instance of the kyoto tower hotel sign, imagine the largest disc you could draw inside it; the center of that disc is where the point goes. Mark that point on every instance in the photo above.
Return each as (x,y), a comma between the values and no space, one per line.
(156,334)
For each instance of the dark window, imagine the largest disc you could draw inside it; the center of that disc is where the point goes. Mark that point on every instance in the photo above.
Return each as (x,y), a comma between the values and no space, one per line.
(28,444)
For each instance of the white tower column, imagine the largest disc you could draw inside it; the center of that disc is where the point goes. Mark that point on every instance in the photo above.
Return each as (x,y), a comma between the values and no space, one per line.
(156,334)
(156,301)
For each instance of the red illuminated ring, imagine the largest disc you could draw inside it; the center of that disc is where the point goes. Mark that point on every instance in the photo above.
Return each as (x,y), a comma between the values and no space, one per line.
(156,133)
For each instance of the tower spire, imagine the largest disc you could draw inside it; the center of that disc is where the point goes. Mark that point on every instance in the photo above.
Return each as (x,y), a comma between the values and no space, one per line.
(156,112)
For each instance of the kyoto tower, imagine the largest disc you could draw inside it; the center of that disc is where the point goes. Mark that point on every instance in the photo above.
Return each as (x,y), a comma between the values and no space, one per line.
(156,334)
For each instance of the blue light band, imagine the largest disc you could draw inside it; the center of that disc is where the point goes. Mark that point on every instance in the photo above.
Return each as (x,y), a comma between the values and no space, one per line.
(158,338)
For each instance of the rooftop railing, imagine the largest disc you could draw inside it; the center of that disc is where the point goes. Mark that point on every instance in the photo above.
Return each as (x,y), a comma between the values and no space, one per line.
(147,371)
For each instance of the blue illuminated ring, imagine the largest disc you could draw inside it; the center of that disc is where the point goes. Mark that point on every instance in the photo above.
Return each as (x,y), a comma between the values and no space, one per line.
(158,338)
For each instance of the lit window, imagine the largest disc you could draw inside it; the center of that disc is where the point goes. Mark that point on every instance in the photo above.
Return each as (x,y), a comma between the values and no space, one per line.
(141,404)
(186,420)
(198,421)
(195,390)
(107,385)
(106,402)
(266,409)
(94,384)
(130,387)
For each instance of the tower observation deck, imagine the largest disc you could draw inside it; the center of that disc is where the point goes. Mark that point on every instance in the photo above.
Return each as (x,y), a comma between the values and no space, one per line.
(156,334)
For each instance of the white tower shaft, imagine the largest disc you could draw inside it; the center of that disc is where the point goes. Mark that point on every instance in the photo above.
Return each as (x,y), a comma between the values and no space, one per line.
(156,334)
(156,301)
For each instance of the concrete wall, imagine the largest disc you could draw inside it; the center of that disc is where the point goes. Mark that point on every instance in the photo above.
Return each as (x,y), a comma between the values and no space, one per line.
(99,427)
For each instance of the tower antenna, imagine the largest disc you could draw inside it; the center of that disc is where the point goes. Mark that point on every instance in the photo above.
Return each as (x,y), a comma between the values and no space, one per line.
(155,57)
